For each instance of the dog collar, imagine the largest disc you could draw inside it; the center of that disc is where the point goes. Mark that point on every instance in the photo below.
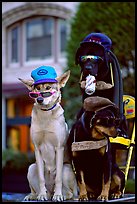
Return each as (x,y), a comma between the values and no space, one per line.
(49,108)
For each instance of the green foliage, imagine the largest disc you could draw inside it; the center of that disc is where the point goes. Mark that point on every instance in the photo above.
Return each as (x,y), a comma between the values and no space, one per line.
(129,85)
(130,186)
(17,160)
(115,19)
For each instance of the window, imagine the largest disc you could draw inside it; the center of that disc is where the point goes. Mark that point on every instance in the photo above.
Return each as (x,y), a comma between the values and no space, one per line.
(14,44)
(18,122)
(13,40)
(35,40)
(63,35)
(39,39)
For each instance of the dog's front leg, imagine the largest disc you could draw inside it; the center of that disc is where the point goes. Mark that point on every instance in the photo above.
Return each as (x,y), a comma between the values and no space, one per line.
(82,187)
(106,178)
(58,196)
(42,195)
(105,189)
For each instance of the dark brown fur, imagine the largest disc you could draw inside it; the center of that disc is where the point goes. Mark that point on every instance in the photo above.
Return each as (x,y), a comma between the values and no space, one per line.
(97,176)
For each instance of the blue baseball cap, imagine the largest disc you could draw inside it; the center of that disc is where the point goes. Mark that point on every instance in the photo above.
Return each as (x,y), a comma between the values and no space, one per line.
(95,43)
(98,38)
(44,74)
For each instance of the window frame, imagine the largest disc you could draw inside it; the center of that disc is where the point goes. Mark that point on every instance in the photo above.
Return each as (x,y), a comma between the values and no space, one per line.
(56,55)
(9,45)
(46,60)
(59,22)
(62,55)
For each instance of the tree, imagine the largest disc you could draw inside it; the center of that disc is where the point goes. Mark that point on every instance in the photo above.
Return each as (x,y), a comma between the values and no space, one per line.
(115,19)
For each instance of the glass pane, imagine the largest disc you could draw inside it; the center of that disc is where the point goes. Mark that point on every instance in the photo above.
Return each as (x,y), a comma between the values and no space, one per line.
(63,35)
(14,44)
(38,38)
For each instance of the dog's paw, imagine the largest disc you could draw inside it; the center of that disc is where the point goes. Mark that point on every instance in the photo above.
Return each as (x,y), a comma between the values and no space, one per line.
(92,196)
(103,197)
(83,197)
(57,197)
(116,195)
(42,196)
(31,196)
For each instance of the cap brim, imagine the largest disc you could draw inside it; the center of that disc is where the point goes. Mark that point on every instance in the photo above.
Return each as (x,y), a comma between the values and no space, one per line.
(41,81)
(89,48)
(96,103)
(91,43)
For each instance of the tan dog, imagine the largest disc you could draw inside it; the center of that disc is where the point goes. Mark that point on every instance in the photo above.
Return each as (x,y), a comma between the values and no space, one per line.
(52,176)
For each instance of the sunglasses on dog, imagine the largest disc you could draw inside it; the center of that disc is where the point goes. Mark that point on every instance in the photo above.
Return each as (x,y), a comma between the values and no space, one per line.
(106,121)
(43,94)
(92,58)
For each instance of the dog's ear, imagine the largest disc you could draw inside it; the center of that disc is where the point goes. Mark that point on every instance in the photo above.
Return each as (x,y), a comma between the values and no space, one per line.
(63,78)
(27,83)
(101,85)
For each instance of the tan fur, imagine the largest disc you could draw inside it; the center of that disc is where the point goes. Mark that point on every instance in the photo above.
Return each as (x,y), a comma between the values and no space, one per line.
(52,176)
(100,85)
(116,181)
(105,190)
(98,132)
(82,188)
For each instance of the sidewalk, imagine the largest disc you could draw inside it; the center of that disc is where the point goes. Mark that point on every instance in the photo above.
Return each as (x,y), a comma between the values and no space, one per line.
(18,197)
(13,197)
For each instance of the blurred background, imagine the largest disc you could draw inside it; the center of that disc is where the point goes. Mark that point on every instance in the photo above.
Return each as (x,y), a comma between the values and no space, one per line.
(49,33)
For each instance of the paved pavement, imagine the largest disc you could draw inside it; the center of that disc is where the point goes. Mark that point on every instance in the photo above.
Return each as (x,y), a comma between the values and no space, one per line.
(10,197)
(18,197)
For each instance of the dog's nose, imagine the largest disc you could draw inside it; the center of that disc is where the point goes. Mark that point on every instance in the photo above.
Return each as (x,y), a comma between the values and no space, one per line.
(40,99)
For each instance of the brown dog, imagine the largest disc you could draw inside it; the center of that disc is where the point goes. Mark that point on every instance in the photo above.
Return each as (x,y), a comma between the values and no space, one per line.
(52,176)
(97,175)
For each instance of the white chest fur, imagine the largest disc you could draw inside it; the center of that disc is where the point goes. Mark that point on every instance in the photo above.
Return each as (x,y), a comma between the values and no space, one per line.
(48,132)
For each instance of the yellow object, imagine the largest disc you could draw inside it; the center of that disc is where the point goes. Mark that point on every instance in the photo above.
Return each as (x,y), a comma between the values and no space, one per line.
(112,79)
(120,140)
(129,106)
(130,153)
(129,112)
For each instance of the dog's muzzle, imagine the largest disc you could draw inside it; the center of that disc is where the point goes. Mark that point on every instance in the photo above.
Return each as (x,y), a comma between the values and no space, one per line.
(90,63)
(91,68)
(40,100)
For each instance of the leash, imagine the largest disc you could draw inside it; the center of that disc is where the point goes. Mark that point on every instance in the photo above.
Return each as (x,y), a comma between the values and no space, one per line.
(89,145)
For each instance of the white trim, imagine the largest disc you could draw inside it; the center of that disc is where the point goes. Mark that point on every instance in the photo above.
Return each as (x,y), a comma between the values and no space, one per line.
(62,55)
(55,59)
(3,123)
(36,62)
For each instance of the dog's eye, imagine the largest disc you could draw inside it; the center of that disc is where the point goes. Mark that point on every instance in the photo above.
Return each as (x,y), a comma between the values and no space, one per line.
(98,121)
(48,87)
(38,87)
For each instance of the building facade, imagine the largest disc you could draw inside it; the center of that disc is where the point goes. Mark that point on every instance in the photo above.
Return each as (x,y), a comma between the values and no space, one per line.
(33,34)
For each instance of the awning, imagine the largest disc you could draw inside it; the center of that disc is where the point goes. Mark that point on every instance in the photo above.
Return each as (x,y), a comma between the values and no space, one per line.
(14,89)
